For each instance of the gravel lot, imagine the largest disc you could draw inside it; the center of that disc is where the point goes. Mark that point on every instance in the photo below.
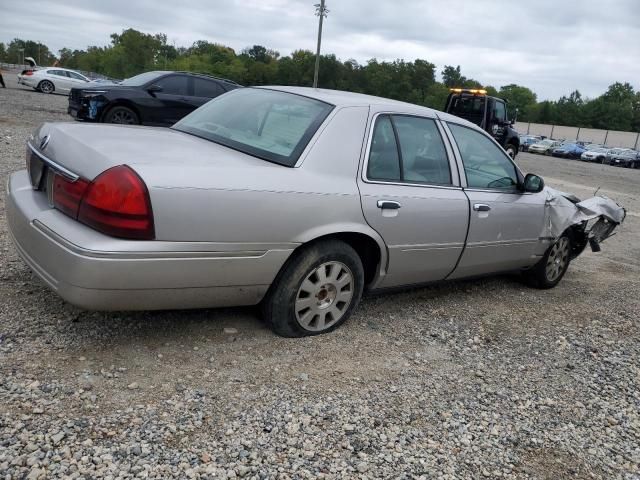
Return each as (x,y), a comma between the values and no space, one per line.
(477,379)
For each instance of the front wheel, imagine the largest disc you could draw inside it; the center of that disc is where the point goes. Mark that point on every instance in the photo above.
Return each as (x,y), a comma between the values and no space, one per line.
(548,272)
(317,290)
(122,116)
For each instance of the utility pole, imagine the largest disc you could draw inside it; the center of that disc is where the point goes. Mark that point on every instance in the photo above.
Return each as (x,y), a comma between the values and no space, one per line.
(321,11)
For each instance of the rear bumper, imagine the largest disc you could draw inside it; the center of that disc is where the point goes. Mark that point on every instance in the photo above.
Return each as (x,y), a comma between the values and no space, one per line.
(97,272)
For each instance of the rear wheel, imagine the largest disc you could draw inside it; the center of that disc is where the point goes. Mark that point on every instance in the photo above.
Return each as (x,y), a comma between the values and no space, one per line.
(45,86)
(122,116)
(548,272)
(511,150)
(317,290)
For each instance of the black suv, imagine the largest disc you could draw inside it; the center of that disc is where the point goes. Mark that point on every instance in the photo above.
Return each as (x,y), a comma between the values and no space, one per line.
(151,98)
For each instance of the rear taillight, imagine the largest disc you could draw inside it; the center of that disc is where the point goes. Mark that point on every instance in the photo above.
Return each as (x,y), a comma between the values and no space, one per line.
(67,194)
(115,203)
(28,73)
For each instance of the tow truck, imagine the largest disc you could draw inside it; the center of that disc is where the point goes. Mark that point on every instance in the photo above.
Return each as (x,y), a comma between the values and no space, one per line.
(489,113)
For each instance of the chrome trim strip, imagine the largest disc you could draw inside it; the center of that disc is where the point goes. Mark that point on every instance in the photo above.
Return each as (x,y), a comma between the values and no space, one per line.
(145,255)
(496,243)
(56,166)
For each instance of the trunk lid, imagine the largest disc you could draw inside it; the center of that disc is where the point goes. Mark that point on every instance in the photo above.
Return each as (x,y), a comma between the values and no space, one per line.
(89,149)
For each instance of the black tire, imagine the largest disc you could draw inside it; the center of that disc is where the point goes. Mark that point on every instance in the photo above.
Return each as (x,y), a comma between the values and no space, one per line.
(284,303)
(121,116)
(511,150)
(45,86)
(542,275)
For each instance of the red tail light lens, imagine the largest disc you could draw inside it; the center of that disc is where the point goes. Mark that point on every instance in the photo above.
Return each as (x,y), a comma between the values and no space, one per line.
(117,203)
(67,194)
(28,72)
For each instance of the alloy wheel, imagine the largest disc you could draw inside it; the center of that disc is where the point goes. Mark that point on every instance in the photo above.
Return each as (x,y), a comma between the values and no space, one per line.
(46,87)
(123,117)
(558,259)
(324,296)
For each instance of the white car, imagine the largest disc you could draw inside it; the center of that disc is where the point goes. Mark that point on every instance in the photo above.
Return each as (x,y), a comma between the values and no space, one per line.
(52,79)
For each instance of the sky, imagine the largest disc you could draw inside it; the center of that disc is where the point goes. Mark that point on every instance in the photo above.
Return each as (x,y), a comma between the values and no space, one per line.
(550,46)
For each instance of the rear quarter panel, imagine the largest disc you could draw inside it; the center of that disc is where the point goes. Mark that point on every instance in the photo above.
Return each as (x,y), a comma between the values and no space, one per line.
(266,202)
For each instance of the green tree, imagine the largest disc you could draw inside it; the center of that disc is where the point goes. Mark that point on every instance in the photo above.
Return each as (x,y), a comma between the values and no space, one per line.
(520,98)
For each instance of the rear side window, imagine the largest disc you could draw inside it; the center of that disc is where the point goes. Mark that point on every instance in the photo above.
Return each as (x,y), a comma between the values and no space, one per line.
(174,85)
(384,161)
(486,165)
(206,88)
(408,149)
(269,124)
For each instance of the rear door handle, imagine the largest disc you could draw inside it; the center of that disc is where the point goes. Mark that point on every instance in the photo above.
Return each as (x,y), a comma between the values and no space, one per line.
(390,204)
(481,207)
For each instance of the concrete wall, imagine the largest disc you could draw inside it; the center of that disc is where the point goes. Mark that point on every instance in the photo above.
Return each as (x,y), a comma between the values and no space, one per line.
(610,138)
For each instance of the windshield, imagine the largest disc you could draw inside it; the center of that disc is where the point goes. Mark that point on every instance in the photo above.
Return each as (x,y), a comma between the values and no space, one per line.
(268,124)
(546,142)
(141,79)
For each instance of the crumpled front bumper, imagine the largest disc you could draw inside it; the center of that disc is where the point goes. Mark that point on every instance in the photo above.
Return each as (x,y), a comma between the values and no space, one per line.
(595,218)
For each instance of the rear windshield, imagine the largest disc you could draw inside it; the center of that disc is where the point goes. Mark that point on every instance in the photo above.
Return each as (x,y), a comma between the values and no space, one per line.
(468,107)
(268,124)
(141,79)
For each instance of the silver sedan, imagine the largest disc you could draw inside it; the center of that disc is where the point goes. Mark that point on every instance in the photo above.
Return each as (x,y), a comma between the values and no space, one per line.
(294,198)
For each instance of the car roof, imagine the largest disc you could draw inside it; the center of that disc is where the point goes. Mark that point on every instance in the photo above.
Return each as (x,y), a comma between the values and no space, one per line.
(194,74)
(341,98)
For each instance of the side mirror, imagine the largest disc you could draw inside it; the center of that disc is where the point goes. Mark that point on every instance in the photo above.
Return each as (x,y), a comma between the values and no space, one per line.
(533,183)
(154,88)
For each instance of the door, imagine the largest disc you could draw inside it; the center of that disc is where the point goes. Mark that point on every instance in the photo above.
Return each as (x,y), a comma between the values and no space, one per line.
(411,198)
(505,224)
(171,101)
(61,82)
(498,121)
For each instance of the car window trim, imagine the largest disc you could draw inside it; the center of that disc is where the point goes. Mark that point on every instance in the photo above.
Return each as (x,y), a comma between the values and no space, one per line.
(519,174)
(369,139)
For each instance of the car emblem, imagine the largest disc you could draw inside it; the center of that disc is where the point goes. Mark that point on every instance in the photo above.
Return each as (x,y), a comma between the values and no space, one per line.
(44,142)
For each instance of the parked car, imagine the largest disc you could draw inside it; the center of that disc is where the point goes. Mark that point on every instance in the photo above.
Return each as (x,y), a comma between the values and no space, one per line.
(544,147)
(598,154)
(52,79)
(266,195)
(614,152)
(151,98)
(626,158)
(527,140)
(568,150)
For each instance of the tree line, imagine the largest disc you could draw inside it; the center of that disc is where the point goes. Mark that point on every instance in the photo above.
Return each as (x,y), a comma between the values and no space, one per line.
(132,52)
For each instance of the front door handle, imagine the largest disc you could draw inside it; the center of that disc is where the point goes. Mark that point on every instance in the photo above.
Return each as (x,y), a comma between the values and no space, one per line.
(481,207)
(390,204)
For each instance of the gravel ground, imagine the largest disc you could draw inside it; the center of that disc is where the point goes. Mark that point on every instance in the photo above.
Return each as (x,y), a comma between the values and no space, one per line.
(476,379)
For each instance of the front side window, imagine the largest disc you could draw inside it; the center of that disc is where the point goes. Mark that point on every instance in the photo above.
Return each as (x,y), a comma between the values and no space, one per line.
(499,112)
(174,85)
(486,165)
(408,149)
(268,124)
(76,76)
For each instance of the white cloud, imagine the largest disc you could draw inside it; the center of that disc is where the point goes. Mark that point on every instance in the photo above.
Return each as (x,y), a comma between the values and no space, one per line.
(552,47)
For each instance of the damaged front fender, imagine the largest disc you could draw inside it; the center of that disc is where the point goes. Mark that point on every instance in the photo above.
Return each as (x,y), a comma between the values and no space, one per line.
(589,221)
